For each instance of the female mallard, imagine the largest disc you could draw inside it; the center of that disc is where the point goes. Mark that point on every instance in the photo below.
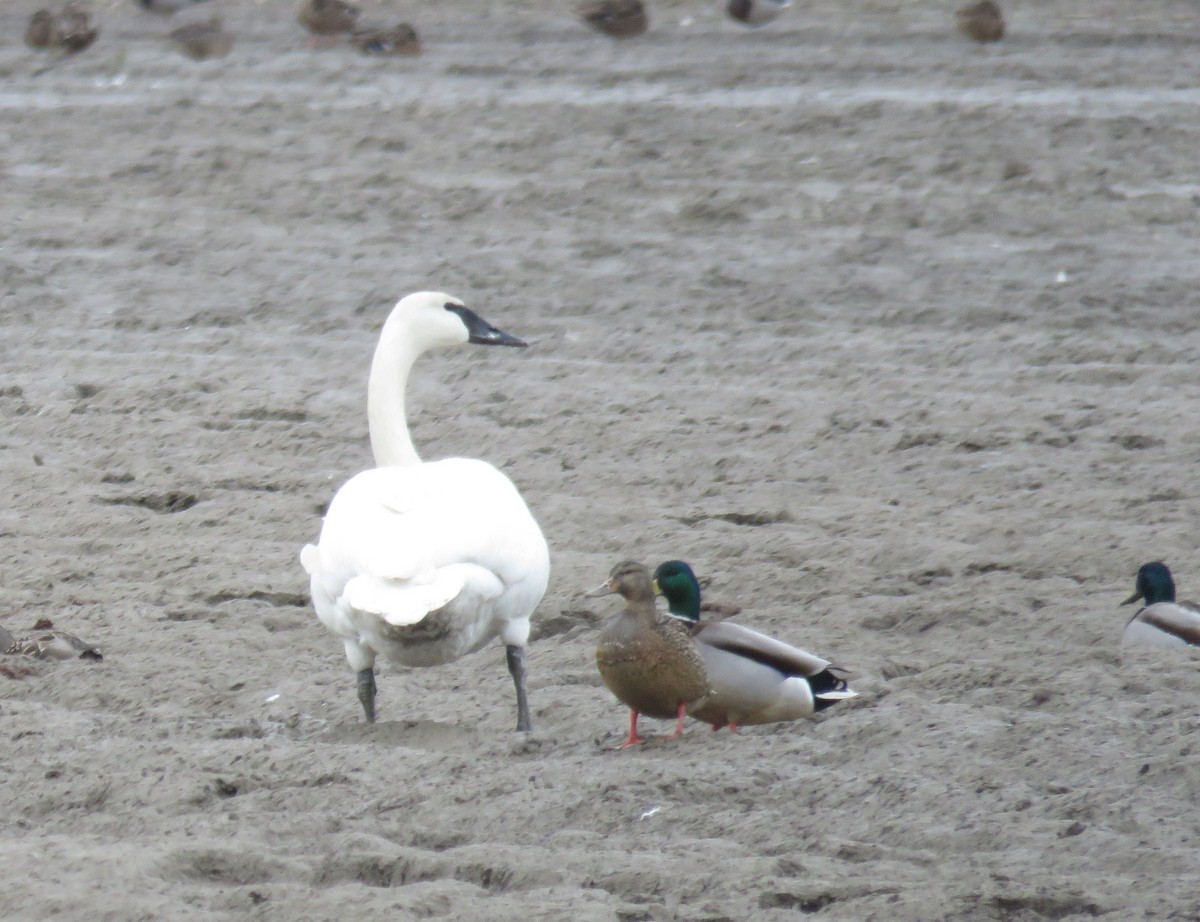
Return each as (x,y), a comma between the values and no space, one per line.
(426,562)
(755,679)
(1161,621)
(617,18)
(42,31)
(756,12)
(202,40)
(646,659)
(981,22)
(399,39)
(328,17)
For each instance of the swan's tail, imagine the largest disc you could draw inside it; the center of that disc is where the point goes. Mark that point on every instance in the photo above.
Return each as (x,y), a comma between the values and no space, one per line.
(401,603)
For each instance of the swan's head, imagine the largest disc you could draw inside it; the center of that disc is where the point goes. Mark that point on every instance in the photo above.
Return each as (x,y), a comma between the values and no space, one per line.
(1154,584)
(432,320)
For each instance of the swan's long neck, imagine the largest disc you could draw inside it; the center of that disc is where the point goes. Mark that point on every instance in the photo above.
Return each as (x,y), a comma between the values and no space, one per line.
(387,419)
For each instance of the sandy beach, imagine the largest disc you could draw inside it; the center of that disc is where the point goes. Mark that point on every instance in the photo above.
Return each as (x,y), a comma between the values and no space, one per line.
(890,335)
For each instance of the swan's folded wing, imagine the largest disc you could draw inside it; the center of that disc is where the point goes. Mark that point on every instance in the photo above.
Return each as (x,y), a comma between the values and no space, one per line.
(762,649)
(396,523)
(310,559)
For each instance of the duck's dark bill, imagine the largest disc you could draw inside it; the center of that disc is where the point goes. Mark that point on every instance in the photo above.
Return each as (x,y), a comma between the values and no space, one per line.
(482,333)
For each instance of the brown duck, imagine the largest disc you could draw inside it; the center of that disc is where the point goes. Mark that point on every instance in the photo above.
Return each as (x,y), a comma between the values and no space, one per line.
(75,29)
(42,31)
(981,22)
(647,659)
(399,39)
(756,12)
(328,17)
(618,18)
(202,40)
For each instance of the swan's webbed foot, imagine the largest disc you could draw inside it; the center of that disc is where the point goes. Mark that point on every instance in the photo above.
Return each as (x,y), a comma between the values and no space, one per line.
(516,668)
(366,692)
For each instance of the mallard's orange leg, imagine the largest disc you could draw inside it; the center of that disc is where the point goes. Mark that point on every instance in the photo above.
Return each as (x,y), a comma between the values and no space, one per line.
(681,713)
(633,738)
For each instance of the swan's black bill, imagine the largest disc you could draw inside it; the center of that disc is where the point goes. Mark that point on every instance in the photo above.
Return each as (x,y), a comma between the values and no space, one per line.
(482,333)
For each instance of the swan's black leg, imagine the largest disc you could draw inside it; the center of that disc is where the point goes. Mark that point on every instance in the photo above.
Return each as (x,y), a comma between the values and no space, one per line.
(366,692)
(516,668)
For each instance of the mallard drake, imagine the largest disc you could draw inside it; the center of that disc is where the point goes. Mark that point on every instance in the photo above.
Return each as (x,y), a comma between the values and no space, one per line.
(75,28)
(328,17)
(44,642)
(202,40)
(1161,621)
(755,679)
(399,39)
(42,31)
(981,22)
(618,18)
(426,562)
(647,659)
(756,12)
(167,7)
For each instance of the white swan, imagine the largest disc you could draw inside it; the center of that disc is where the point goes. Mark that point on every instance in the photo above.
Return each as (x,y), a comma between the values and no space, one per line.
(426,562)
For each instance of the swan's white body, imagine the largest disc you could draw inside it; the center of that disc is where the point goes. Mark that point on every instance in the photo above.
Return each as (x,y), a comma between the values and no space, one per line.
(424,562)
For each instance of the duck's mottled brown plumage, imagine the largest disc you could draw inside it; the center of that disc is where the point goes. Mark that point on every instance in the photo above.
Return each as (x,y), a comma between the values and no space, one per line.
(42,31)
(982,22)
(328,17)
(617,18)
(646,659)
(202,40)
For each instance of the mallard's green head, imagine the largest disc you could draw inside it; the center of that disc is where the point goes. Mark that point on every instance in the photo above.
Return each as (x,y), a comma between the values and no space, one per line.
(677,583)
(1154,584)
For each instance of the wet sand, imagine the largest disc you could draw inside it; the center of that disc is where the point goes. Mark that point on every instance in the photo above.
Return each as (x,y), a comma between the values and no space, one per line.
(889,335)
